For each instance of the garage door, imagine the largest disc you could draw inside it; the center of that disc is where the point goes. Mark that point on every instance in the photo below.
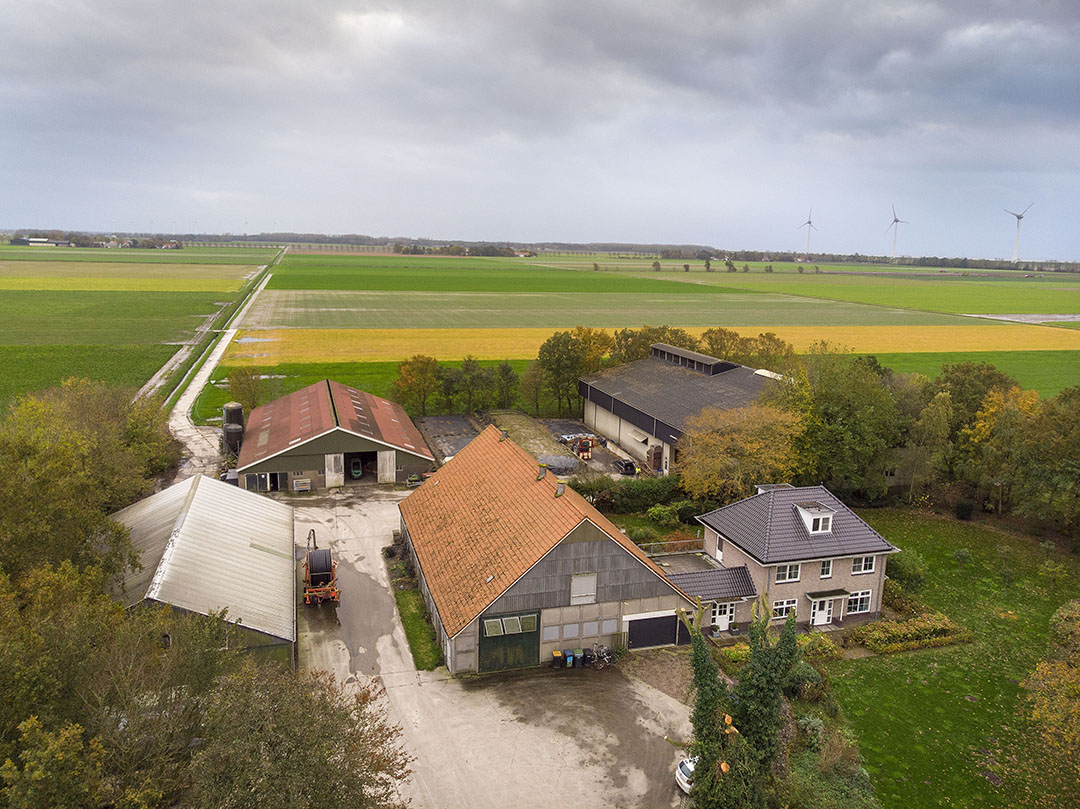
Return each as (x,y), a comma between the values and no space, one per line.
(509,641)
(662,631)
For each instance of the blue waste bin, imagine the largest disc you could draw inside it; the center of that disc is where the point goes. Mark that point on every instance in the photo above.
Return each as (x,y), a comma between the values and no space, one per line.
(568,656)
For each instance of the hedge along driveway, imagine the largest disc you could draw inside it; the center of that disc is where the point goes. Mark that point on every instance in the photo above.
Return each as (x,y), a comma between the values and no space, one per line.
(946,727)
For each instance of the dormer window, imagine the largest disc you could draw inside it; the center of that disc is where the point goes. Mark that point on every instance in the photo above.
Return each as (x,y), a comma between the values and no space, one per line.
(817,517)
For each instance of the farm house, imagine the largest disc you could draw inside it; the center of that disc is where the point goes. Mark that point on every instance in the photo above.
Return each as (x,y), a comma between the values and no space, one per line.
(327,435)
(206,546)
(645,406)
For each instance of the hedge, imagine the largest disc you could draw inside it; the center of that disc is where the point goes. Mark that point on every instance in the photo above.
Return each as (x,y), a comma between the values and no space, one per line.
(922,631)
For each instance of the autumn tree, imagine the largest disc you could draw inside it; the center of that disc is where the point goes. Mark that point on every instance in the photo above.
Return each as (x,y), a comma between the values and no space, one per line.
(724,453)
(1050,488)
(594,344)
(279,739)
(656,266)
(724,344)
(418,379)
(560,359)
(996,443)
(634,344)
(532,386)
(449,379)
(506,385)
(247,387)
(61,769)
(967,384)
(472,382)
(928,443)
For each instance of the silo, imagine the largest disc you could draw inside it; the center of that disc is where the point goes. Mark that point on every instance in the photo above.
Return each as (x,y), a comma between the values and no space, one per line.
(234,434)
(233,413)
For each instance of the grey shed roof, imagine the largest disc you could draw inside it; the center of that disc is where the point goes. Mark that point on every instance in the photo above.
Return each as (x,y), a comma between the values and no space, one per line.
(768,527)
(720,584)
(674,394)
(207,546)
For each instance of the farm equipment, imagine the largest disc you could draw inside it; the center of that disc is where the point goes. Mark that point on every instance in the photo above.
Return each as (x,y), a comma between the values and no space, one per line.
(320,573)
(582,447)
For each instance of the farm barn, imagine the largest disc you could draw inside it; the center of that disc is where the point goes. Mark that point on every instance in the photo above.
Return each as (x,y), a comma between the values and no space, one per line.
(644,406)
(327,435)
(206,546)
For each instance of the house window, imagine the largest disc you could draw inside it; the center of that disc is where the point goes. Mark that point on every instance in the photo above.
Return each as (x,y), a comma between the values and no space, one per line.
(570,631)
(609,626)
(583,588)
(781,609)
(826,569)
(787,573)
(590,628)
(551,633)
(858,602)
(819,525)
(492,627)
(862,564)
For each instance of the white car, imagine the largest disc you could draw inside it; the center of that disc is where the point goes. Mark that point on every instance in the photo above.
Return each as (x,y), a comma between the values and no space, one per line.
(684,774)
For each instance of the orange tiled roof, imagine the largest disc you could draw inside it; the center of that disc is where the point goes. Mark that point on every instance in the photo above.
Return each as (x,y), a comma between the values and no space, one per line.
(480,522)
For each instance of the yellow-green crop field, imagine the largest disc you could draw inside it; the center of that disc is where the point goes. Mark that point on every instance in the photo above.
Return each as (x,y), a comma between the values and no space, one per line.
(276,346)
(122,277)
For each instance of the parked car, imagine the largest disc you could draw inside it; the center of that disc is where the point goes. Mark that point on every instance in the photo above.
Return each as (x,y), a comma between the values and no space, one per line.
(624,467)
(684,774)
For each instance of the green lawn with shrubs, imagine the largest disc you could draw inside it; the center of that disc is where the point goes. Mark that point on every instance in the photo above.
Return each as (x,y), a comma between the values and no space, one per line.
(948,726)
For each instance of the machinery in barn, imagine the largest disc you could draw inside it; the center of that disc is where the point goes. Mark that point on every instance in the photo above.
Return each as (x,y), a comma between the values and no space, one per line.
(320,573)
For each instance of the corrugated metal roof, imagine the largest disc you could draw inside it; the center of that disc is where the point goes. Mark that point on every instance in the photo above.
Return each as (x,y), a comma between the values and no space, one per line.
(207,546)
(310,412)
(768,527)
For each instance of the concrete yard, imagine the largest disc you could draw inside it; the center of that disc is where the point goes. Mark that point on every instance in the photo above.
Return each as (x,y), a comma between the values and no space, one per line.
(509,740)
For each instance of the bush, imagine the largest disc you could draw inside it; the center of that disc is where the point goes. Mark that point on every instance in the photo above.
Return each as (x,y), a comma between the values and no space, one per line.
(731,659)
(801,680)
(641,533)
(687,510)
(1065,633)
(928,629)
(667,516)
(819,649)
(962,556)
(809,787)
(812,727)
(626,496)
(895,598)
(964,509)
(908,569)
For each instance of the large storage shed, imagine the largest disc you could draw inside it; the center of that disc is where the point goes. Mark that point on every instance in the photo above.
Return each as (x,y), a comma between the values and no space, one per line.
(645,406)
(514,565)
(325,435)
(206,546)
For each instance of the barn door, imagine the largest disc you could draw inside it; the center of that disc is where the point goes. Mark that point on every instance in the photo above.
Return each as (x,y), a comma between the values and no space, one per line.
(509,641)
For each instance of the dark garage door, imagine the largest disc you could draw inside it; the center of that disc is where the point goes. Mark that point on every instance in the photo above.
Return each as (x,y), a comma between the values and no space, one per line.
(662,631)
(509,641)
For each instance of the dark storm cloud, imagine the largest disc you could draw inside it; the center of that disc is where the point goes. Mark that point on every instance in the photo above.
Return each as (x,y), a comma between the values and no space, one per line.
(266,111)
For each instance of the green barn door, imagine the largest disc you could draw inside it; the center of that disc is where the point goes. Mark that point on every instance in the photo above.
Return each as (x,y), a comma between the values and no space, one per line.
(509,641)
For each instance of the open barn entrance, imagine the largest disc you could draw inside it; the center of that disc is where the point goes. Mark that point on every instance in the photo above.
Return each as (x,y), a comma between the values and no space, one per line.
(361,467)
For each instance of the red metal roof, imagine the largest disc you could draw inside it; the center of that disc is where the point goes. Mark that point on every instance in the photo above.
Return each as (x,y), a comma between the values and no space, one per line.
(292,420)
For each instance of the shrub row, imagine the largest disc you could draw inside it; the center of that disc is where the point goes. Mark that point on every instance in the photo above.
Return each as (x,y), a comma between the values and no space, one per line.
(815,648)
(928,629)
(895,598)
(627,496)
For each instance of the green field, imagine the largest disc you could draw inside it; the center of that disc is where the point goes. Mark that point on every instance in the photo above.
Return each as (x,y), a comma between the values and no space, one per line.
(189,255)
(934,724)
(115,318)
(388,310)
(29,368)
(1048,372)
(427,274)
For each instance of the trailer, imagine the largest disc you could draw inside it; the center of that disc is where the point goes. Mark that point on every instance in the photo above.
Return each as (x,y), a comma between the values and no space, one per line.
(320,573)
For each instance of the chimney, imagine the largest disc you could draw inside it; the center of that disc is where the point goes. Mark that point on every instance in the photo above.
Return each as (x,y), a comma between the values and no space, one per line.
(560,488)
(502,435)
(542,472)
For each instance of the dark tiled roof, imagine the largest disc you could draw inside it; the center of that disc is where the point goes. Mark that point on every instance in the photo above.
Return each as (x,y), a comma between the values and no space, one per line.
(674,394)
(298,417)
(720,584)
(768,527)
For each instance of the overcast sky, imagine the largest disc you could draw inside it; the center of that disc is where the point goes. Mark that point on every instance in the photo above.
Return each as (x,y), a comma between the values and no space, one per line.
(718,122)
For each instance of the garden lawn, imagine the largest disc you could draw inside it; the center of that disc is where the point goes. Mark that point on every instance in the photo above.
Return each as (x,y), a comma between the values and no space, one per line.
(425,650)
(1048,372)
(25,369)
(946,727)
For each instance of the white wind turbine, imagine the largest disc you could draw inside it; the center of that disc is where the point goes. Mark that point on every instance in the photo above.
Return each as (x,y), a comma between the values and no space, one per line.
(895,227)
(1019,216)
(809,225)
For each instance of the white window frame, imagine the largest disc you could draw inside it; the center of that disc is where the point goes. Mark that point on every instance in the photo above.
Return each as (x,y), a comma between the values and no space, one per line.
(492,623)
(823,574)
(867,594)
(787,573)
(588,597)
(858,565)
(821,524)
(782,607)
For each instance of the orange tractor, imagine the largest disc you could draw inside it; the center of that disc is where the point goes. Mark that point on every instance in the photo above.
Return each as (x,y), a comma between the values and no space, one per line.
(320,573)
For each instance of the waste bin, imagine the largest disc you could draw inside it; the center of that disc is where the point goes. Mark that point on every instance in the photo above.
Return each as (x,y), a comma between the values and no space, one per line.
(556,659)
(578,658)
(568,656)
(588,657)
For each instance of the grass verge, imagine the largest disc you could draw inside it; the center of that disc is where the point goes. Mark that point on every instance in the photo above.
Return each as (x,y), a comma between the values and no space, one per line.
(426,653)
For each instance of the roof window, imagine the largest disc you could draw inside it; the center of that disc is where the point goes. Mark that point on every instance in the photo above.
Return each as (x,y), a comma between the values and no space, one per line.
(816,516)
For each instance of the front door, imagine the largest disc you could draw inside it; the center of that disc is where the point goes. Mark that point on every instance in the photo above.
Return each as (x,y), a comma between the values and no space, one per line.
(821,612)
(723,615)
